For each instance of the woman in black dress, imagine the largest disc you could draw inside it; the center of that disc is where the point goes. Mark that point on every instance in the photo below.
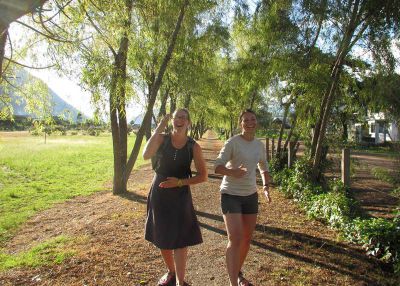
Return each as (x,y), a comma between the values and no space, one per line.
(171,223)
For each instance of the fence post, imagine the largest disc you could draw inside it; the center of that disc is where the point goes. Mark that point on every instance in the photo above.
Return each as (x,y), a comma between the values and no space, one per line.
(346,167)
(273,148)
(290,154)
(267,148)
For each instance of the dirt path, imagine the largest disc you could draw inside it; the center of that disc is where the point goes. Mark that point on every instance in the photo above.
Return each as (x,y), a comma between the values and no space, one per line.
(374,196)
(287,249)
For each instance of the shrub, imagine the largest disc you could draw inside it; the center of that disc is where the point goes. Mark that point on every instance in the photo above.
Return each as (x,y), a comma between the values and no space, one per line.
(334,208)
(331,204)
(379,237)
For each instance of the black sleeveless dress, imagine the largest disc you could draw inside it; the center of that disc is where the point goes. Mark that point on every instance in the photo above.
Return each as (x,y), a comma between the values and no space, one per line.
(171,220)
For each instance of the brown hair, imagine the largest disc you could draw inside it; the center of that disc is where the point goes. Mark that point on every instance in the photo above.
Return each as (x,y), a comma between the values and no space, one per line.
(248,110)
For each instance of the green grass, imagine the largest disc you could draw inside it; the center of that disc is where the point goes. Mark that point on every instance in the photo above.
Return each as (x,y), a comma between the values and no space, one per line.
(34,176)
(386,175)
(376,150)
(53,251)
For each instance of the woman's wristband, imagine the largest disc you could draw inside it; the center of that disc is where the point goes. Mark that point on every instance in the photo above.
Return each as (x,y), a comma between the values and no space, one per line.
(179,183)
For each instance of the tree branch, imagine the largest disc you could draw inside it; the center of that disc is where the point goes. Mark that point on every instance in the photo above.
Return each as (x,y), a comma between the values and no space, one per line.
(100,33)
(51,37)
(60,10)
(26,66)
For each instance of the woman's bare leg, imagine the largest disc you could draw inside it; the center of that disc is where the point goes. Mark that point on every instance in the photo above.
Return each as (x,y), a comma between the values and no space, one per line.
(180,257)
(168,257)
(249,224)
(234,228)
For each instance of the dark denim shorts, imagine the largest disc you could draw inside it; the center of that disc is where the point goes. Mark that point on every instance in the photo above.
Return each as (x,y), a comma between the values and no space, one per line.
(239,204)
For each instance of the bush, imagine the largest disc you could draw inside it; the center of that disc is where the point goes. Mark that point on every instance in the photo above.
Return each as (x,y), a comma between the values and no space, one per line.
(379,237)
(334,208)
(93,131)
(331,204)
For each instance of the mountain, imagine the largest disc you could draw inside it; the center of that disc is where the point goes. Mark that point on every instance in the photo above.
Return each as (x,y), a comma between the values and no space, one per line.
(139,119)
(59,106)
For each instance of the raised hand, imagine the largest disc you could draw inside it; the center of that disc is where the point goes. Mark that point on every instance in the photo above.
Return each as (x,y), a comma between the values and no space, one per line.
(163,123)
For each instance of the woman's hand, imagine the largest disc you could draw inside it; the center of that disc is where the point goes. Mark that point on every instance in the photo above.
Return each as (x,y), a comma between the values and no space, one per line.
(239,172)
(163,124)
(171,182)
(266,193)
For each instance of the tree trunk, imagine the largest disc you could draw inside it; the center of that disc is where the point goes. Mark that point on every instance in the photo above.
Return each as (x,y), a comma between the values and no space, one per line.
(163,107)
(151,77)
(172,105)
(318,127)
(278,148)
(329,98)
(253,99)
(194,130)
(153,94)
(290,132)
(3,40)
(119,126)
(187,101)
(345,132)
(11,11)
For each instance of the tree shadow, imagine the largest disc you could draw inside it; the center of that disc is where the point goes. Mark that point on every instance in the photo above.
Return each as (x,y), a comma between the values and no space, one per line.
(309,249)
(303,247)
(134,197)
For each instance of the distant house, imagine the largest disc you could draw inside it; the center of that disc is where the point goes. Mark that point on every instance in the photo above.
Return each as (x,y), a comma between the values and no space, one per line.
(278,121)
(377,129)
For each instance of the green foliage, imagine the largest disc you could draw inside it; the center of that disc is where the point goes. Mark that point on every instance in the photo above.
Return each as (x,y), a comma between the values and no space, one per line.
(396,192)
(295,183)
(379,237)
(333,207)
(53,251)
(331,204)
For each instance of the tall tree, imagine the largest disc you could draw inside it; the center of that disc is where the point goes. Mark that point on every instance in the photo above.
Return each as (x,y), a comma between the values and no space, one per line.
(355,20)
(153,94)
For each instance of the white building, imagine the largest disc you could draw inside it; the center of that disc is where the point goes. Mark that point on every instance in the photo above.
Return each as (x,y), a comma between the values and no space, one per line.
(382,129)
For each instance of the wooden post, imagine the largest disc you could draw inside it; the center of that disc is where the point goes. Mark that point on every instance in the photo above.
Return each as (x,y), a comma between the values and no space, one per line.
(346,167)
(290,154)
(267,148)
(273,148)
(376,132)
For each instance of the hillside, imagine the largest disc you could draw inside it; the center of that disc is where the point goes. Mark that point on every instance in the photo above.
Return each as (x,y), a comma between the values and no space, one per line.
(59,106)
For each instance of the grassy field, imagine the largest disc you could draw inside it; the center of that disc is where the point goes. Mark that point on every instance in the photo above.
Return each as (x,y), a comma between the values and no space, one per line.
(35,175)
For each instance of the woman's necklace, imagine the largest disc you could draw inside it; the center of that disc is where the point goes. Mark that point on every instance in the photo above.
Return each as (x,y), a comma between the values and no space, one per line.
(176,149)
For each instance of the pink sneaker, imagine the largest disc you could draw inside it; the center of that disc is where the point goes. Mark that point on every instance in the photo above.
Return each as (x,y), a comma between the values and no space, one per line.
(168,279)
(243,281)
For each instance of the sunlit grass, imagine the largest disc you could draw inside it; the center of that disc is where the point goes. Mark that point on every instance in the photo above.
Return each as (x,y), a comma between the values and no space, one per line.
(53,251)
(35,175)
